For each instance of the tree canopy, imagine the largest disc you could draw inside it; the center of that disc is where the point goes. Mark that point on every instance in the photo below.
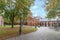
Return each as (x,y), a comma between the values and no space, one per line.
(52,7)
(13,8)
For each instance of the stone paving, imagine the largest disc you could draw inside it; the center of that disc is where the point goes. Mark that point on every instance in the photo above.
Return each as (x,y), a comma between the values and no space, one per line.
(43,33)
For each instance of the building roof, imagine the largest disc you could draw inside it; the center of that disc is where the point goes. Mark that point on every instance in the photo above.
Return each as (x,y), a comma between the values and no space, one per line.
(45,19)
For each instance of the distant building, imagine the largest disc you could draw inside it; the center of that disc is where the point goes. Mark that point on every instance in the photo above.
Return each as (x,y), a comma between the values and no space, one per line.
(32,21)
(1,21)
(51,22)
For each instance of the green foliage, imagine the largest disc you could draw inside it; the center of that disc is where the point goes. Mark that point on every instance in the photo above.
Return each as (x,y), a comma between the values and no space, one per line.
(2,4)
(53,8)
(51,14)
(13,9)
(22,6)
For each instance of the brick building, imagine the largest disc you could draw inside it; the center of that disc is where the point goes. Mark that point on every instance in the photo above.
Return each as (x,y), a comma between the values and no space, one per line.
(51,22)
(1,21)
(32,21)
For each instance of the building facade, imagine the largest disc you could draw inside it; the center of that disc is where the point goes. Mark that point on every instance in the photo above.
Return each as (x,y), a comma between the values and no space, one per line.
(1,21)
(49,23)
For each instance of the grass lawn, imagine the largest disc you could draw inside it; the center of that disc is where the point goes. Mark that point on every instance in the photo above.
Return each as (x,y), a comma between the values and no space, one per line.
(7,31)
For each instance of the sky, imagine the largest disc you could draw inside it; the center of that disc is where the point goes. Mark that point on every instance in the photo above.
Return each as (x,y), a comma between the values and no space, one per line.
(38,8)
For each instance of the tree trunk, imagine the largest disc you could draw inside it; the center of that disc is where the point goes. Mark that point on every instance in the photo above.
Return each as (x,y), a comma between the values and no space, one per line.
(21,23)
(12,20)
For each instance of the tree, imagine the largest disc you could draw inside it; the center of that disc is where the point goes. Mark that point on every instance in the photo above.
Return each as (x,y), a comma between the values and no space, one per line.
(23,7)
(16,8)
(10,11)
(13,11)
(52,7)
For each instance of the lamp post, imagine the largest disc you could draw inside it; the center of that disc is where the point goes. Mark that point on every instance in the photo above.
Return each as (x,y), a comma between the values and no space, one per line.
(57,21)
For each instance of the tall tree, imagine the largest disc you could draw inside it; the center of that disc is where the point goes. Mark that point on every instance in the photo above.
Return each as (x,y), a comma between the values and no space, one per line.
(52,7)
(23,6)
(10,11)
(16,8)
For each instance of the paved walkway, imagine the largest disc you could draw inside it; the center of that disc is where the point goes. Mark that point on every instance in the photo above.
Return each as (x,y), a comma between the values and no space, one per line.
(43,33)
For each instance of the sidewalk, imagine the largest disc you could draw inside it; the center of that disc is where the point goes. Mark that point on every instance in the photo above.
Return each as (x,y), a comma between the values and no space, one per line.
(44,33)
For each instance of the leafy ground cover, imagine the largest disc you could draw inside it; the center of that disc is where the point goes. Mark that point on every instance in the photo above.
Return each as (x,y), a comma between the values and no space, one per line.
(7,31)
